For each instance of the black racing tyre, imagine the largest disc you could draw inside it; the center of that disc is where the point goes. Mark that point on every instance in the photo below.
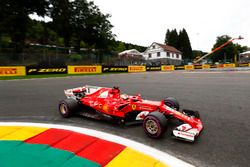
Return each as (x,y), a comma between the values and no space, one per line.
(67,107)
(155,124)
(172,103)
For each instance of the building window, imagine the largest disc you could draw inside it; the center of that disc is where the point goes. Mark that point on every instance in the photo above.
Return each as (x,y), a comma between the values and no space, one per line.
(149,55)
(158,54)
(168,54)
(153,46)
(177,56)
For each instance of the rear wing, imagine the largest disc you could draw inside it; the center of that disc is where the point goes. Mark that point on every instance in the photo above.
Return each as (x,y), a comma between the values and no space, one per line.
(87,89)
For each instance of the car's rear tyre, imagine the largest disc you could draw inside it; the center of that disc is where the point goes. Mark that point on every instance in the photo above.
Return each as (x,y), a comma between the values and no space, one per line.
(67,107)
(172,103)
(155,124)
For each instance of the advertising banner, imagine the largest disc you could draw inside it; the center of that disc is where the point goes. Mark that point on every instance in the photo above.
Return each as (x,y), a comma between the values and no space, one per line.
(114,69)
(243,65)
(189,67)
(220,66)
(167,68)
(84,69)
(32,70)
(179,67)
(197,66)
(153,68)
(12,71)
(205,66)
(229,65)
(136,68)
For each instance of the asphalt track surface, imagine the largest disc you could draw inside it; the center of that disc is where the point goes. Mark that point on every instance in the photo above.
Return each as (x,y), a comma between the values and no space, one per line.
(222,98)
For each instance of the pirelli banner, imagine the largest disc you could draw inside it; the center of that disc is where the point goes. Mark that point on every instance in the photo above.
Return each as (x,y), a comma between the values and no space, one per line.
(84,69)
(167,68)
(136,68)
(32,70)
(12,71)
(153,68)
(114,69)
(189,67)
(205,66)
(229,65)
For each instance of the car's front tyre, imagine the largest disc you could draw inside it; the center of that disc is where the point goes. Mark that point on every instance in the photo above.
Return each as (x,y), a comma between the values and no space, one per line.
(155,124)
(172,103)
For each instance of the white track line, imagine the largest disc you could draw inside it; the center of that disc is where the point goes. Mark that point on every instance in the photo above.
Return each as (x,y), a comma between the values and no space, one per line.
(159,155)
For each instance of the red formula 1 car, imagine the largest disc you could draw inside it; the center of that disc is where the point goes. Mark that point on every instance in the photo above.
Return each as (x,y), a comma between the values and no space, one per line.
(108,104)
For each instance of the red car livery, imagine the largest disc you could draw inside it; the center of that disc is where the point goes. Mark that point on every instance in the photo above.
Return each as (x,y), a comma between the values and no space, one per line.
(109,104)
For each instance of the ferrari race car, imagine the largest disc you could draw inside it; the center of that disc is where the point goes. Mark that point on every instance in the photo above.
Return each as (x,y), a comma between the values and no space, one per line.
(109,104)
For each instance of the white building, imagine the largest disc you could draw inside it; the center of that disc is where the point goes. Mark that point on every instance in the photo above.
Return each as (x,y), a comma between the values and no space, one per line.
(163,54)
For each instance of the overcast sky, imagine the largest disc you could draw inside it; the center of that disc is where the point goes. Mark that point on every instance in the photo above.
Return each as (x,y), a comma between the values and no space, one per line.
(145,21)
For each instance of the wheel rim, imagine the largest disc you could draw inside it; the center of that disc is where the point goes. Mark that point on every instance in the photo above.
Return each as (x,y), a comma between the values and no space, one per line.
(151,126)
(63,109)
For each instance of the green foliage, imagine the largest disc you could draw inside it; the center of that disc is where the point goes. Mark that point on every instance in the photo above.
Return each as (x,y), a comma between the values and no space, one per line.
(121,46)
(184,45)
(179,41)
(4,41)
(75,57)
(14,18)
(171,38)
(226,53)
(78,24)
(62,14)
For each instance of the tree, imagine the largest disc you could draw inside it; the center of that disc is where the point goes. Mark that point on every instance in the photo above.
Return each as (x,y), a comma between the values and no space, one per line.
(226,53)
(171,38)
(179,41)
(14,18)
(40,32)
(62,16)
(184,45)
(121,47)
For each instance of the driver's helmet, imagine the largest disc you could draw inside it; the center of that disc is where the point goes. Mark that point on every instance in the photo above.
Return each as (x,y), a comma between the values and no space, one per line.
(115,90)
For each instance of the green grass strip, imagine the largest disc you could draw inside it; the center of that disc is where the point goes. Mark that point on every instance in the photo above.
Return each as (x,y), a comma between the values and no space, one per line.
(19,153)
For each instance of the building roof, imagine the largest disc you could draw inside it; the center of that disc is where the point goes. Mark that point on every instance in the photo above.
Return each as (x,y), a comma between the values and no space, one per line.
(247,52)
(169,48)
(130,52)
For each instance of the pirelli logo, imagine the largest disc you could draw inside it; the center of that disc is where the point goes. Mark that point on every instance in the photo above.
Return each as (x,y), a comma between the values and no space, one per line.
(84,69)
(7,71)
(205,66)
(228,65)
(136,68)
(189,67)
(12,71)
(167,68)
